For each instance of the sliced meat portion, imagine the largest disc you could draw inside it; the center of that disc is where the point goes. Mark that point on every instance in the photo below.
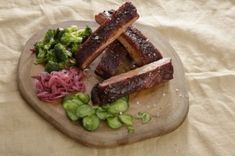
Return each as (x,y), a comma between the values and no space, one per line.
(135,80)
(106,34)
(115,60)
(139,47)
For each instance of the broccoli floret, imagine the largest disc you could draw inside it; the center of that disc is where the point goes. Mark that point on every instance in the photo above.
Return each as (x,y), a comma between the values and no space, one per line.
(85,32)
(40,52)
(68,38)
(41,55)
(58,34)
(61,53)
(53,66)
(74,47)
(51,56)
(73,36)
(70,29)
(49,36)
(56,50)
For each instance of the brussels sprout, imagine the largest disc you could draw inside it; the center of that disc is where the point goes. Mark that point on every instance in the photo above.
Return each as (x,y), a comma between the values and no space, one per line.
(74,99)
(114,123)
(72,116)
(85,110)
(91,123)
(83,97)
(102,114)
(71,110)
(120,105)
(70,106)
(126,119)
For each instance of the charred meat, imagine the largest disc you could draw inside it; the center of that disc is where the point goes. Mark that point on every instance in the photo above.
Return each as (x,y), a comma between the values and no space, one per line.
(115,60)
(109,31)
(135,80)
(139,47)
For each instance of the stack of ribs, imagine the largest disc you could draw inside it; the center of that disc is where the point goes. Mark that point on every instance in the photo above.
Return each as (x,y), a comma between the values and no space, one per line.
(129,63)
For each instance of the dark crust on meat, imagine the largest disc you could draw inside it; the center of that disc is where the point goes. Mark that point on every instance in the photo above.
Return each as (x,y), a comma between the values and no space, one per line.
(138,46)
(106,34)
(114,61)
(147,52)
(102,94)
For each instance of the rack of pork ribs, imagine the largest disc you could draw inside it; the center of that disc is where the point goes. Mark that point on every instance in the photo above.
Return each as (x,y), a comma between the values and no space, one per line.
(129,63)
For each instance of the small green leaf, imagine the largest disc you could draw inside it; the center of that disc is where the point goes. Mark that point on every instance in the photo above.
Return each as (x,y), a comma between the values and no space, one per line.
(130,129)
(145,117)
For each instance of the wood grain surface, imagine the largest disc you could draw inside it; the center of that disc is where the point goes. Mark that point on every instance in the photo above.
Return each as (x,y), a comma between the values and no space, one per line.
(168,103)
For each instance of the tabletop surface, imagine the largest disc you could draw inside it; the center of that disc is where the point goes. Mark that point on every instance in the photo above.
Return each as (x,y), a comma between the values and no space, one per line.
(201,32)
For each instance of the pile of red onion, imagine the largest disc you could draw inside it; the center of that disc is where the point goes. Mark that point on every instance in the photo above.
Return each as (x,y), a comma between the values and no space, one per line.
(57,84)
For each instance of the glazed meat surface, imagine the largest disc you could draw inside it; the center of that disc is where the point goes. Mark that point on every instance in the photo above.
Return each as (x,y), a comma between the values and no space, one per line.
(109,31)
(140,78)
(138,46)
(115,60)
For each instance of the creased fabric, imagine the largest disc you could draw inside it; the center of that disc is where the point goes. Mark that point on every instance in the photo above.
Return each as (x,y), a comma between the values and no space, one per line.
(203,34)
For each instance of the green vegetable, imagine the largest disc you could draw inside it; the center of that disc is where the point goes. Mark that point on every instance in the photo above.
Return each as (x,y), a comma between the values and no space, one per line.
(70,37)
(74,99)
(83,97)
(126,119)
(49,37)
(130,129)
(53,66)
(72,116)
(85,32)
(102,114)
(120,105)
(105,106)
(58,34)
(145,117)
(76,107)
(91,123)
(56,50)
(61,53)
(71,110)
(70,106)
(114,122)
(85,110)
(68,97)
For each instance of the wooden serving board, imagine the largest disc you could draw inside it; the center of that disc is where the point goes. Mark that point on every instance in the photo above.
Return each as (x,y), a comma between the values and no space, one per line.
(167,103)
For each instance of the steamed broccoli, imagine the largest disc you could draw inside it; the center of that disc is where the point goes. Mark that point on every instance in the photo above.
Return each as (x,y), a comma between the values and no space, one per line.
(56,50)
(61,53)
(53,66)
(85,32)
(73,36)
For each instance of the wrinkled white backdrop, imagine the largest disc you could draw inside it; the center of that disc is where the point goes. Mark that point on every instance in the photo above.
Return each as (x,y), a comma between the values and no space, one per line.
(201,31)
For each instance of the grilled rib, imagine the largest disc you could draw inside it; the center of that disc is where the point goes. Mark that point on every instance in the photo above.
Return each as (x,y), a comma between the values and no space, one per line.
(135,80)
(115,60)
(139,47)
(106,34)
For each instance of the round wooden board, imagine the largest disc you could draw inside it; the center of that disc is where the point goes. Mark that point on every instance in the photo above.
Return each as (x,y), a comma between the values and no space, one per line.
(167,103)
